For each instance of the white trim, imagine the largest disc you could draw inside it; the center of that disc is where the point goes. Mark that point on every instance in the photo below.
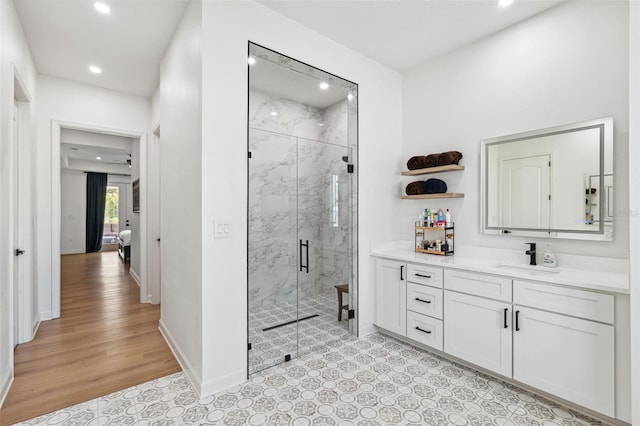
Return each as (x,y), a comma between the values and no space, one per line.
(634,205)
(56,126)
(35,327)
(182,360)
(136,278)
(45,315)
(221,383)
(367,330)
(5,385)
(78,251)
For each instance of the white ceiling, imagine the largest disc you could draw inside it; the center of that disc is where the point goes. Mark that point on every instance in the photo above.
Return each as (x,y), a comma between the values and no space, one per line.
(66,36)
(267,77)
(403,34)
(89,153)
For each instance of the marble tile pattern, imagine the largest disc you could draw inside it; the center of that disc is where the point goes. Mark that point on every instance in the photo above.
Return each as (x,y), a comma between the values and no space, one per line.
(365,382)
(268,348)
(290,193)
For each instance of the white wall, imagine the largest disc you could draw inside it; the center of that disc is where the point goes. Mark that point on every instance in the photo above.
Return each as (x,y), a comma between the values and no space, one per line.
(565,65)
(14,55)
(66,101)
(181,194)
(136,261)
(73,211)
(227,27)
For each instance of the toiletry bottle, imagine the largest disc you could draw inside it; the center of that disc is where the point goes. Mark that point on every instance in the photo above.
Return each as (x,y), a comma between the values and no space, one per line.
(549,259)
(425,215)
(447,217)
(440,215)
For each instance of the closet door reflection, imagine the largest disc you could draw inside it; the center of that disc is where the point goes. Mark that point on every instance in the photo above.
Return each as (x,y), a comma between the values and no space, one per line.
(323,221)
(272,249)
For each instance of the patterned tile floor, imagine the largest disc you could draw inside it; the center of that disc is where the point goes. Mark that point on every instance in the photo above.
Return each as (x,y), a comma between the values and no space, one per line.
(268,348)
(372,381)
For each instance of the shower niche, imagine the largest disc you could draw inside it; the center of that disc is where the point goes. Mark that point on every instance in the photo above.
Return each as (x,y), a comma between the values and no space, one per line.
(302,229)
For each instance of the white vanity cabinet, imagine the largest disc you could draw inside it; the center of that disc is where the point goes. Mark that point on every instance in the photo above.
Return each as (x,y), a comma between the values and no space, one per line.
(391,296)
(573,358)
(561,337)
(478,330)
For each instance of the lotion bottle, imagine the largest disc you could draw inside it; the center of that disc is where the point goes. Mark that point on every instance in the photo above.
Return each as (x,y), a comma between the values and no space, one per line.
(549,259)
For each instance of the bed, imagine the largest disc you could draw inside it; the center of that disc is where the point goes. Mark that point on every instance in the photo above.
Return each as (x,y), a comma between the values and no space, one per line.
(124,245)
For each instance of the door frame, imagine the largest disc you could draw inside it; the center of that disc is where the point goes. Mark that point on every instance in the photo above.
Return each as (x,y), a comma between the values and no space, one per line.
(56,220)
(154,218)
(27,327)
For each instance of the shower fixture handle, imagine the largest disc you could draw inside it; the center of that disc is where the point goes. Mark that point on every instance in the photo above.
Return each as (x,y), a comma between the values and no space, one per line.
(306,267)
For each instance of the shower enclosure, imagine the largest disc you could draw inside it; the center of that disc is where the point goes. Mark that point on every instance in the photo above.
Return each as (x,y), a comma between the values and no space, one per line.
(301,230)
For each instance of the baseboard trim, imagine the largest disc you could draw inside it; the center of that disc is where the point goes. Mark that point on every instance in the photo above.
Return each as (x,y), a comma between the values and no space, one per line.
(5,385)
(221,383)
(182,360)
(367,329)
(78,251)
(35,326)
(135,276)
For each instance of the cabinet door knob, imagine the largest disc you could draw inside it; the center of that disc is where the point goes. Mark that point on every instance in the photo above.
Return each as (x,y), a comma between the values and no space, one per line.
(401,274)
(423,276)
(424,331)
(422,300)
(517,320)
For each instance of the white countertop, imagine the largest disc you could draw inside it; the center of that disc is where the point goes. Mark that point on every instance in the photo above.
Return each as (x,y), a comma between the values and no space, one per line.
(607,281)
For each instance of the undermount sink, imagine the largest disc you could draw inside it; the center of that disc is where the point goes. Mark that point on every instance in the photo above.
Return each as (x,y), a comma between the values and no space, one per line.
(527,269)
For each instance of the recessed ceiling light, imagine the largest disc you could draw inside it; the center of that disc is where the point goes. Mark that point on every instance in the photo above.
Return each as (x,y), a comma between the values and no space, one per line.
(95,69)
(274,113)
(102,8)
(350,96)
(324,85)
(320,124)
(251,60)
(98,158)
(504,3)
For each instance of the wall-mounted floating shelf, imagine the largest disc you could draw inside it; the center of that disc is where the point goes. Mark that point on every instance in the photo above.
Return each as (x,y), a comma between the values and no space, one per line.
(438,169)
(433,196)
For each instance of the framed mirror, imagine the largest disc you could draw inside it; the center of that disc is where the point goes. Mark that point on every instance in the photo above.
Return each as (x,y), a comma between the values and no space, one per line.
(555,182)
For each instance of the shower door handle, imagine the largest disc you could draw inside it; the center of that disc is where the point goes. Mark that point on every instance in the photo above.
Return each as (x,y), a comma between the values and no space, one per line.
(306,267)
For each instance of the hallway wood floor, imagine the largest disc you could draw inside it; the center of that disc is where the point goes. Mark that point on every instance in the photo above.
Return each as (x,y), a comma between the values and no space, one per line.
(104,341)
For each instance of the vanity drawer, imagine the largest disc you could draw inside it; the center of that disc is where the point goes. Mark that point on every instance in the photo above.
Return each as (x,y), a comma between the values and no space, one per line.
(424,275)
(569,301)
(424,300)
(425,330)
(491,286)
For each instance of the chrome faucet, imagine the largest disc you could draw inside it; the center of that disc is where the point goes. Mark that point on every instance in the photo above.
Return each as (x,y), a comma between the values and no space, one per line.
(532,253)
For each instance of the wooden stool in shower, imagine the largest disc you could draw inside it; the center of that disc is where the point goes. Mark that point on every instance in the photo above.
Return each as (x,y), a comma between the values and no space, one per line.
(342,288)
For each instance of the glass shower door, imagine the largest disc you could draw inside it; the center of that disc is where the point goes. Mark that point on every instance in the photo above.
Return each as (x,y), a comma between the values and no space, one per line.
(323,240)
(272,249)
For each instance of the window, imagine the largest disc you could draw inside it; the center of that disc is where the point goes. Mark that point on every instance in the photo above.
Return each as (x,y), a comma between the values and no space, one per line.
(111,227)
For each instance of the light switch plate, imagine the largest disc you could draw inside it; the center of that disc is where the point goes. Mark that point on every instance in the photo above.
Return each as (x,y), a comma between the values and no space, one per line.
(222,229)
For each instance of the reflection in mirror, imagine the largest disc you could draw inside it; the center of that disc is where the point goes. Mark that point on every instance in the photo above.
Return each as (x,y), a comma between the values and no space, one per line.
(555,182)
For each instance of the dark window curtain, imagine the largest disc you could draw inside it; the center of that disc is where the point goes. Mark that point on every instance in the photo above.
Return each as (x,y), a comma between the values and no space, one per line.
(96,196)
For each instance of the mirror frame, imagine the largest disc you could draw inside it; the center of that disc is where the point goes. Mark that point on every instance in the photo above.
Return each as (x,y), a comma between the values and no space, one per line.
(606,152)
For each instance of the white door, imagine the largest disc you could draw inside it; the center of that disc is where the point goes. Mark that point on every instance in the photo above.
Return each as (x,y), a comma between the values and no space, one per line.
(525,192)
(478,330)
(391,296)
(565,356)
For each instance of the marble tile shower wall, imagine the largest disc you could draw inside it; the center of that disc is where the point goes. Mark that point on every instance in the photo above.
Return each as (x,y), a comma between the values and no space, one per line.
(285,194)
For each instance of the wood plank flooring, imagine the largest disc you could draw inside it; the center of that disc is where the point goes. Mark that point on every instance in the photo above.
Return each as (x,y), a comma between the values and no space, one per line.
(104,341)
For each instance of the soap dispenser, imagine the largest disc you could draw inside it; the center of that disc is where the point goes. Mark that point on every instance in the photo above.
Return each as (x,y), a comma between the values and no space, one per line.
(549,259)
